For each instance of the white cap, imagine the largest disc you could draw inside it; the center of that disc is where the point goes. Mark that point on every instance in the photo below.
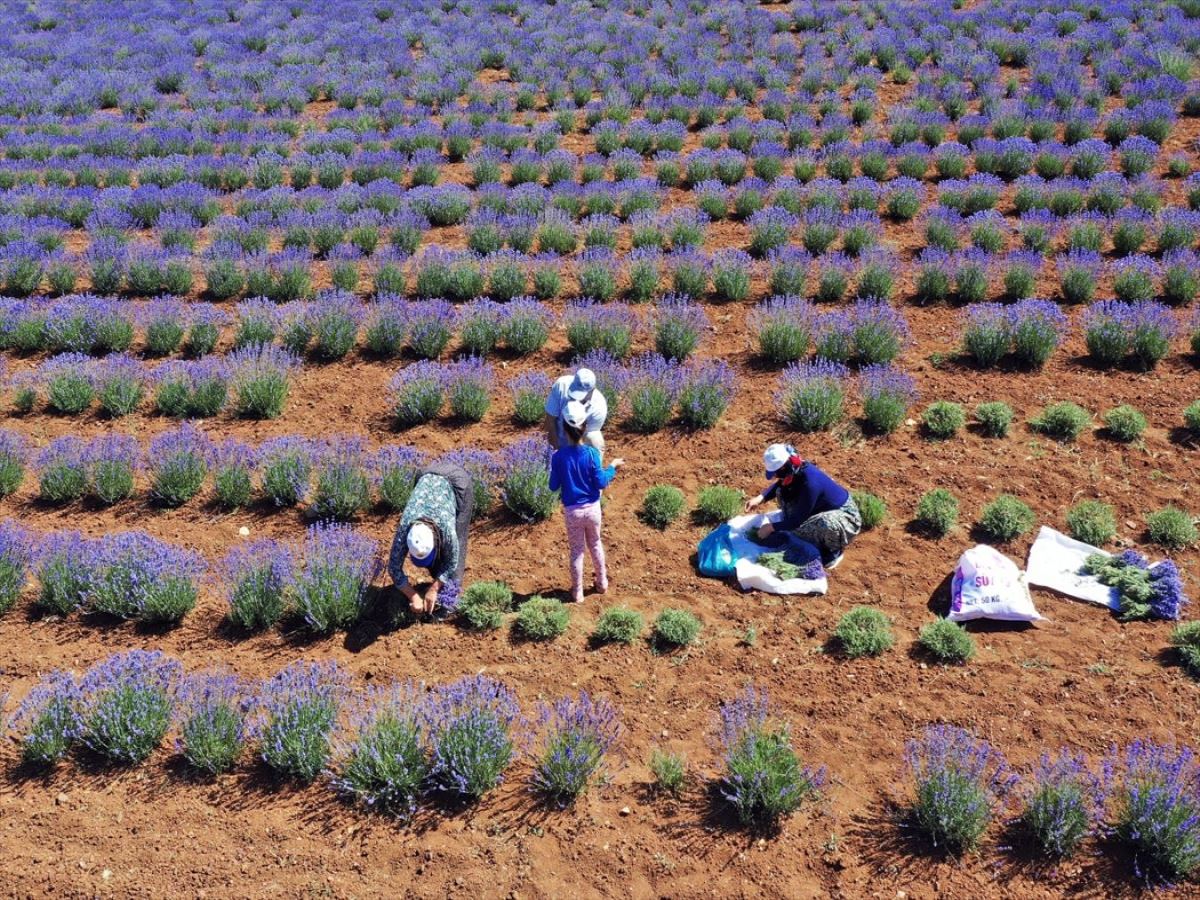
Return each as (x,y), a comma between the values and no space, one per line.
(575,414)
(775,457)
(582,385)
(420,542)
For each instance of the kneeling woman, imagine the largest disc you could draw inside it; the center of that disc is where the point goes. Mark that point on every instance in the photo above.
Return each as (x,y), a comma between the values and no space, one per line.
(815,507)
(432,533)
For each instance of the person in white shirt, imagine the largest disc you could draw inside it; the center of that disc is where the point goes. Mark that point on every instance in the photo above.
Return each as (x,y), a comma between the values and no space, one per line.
(580,388)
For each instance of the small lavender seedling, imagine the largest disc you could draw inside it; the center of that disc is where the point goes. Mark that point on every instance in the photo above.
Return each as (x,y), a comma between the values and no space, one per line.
(618,625)
(676,628)
(576,736)
(670,772)
(484,604)
(864,631)
(542,619)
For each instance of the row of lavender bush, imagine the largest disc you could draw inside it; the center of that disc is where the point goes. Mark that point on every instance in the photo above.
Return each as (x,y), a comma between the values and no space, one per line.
(334,478)
(945,269)
(386,748)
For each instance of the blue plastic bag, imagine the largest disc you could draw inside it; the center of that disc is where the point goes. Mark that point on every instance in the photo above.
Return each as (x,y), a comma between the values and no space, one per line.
(714,554)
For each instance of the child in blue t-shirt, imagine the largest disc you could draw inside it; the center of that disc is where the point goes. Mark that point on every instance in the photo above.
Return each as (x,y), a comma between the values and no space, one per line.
(579,474)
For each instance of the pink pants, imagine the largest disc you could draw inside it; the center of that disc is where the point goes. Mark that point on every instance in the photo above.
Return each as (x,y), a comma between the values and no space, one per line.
(583,530)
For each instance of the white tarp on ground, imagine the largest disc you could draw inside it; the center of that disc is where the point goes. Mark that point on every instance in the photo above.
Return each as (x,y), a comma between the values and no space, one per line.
(1056,562)
(753,577)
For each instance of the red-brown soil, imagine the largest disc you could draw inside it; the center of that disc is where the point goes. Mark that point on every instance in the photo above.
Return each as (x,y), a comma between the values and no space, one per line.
(1080,678)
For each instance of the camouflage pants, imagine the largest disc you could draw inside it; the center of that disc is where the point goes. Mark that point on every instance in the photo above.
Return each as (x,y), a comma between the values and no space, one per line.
(831,532)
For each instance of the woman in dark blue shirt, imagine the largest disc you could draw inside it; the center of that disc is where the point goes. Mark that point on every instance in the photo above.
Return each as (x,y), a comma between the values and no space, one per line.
(815,507)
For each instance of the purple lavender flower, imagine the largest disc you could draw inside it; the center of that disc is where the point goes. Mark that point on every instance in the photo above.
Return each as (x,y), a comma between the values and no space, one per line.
(1064,804)
(339,564)
(15,556)
(783,326)
(294,715)
(255,577)
(1157,802)
(833,336)
(178,462)
(763,779)
(70,382)
(14,453)
(210,715)
(529,391)
(958,780)
(126,703)
(651,390)
(987,334)
(393,471)
(120,383)
(471,724)
(134,575)
(576,735)
(887,394)
(47,723)
(485,470)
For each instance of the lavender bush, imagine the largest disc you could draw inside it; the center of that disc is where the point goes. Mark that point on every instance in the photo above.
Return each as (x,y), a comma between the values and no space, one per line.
(15,556)
(210,717)
(330,587)
(382,762)
(812,395)
(126,702)
(255,578)
(525,480)
(1063,805)
(63,566)
(887,394)
(261,378)
(111,460)
(958,781)
(135,576)
(1157,809)
(418,392)
(294,716)
(576,736)
(763,779)
(286,466)
(178,463)
(47,723)
(783,328)
(343,487)
(471,723)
